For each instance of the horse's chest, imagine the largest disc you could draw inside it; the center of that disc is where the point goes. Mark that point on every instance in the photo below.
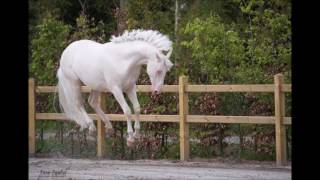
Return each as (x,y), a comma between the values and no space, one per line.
(128,83)
(130,80)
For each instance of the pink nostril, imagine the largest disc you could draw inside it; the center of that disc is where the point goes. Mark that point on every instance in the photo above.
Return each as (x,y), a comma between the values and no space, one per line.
(155,92)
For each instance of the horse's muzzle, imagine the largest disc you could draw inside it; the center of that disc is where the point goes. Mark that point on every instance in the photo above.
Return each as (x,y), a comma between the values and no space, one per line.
(155,92)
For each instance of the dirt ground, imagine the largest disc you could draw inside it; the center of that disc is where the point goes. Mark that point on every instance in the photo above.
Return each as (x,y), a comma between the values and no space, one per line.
(94,169)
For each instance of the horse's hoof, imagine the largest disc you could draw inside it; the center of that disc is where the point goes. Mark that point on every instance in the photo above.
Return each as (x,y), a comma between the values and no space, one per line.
(83,128)
(71,132)
(92,130)
(130,143)
(92,133)
(109,131)
(136,135)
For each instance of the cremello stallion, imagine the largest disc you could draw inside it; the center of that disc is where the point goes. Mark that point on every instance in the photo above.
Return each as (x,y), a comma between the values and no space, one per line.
(115,67)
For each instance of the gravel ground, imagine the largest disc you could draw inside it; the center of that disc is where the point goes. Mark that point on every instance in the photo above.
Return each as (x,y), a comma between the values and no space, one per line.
(70,169)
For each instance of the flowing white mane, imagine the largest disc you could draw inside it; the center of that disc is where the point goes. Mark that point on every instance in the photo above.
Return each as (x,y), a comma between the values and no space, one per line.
(155,38)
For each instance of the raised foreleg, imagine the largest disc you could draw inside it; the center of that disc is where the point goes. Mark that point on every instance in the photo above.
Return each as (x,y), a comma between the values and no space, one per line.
(118,94)
(132,95)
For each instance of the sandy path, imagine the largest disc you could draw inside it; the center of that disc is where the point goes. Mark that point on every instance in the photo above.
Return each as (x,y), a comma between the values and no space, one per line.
(53,168)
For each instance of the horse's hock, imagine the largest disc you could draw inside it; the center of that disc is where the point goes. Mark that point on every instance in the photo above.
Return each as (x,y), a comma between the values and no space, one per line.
(183,118)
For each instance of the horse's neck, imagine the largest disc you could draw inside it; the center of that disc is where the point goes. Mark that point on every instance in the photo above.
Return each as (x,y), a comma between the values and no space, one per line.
(137,52)
(134,55)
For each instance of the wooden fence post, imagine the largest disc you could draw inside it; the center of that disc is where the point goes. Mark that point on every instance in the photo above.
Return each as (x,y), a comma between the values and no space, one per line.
(32,134)
(101,145)
(279,100)
(184,126)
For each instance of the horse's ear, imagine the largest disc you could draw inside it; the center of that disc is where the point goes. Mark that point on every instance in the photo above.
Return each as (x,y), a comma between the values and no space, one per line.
(167,53)
(164,52)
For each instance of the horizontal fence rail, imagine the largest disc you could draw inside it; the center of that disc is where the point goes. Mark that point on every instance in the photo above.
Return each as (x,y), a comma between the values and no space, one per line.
(183,118)
(175,118)
(189,88)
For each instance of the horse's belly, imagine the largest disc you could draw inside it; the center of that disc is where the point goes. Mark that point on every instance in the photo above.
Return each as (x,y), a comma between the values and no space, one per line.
(92,78)
(95,84)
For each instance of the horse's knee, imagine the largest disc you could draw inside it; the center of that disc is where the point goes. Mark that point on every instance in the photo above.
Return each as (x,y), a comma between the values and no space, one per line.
(92,102)
(136,108)
(127,111)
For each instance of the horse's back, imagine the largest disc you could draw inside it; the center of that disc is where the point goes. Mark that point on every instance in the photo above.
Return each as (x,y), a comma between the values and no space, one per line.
(83,46)
(84,42)
(79,50)
(82,60)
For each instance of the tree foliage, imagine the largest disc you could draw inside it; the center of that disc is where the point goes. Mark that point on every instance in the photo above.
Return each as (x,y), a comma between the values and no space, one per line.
(214,48)
(46,47)
(151,14)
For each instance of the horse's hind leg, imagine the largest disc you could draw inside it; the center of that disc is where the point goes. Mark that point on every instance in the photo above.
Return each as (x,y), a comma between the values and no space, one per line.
(84,115)
(94,103)
(70,99)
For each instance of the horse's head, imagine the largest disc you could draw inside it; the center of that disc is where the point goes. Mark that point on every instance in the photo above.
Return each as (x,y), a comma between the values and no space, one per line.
(157,69)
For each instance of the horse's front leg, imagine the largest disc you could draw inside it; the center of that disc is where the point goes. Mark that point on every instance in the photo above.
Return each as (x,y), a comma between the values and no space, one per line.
(132,95)
(118,94)
(94,103)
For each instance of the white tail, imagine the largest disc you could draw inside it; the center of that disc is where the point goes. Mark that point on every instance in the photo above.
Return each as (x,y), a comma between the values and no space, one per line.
(70,100)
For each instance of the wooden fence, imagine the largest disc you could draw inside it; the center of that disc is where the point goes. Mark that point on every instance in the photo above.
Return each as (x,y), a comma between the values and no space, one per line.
(183,118)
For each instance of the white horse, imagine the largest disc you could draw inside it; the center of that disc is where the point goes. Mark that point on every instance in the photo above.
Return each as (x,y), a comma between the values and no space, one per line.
(115,67)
